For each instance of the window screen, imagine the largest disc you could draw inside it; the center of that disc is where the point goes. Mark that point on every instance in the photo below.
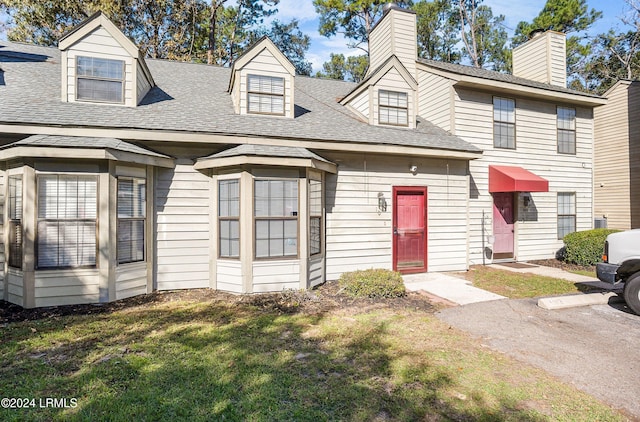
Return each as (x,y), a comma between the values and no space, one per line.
(566,213)
(99,79)
(265,94)
(132,212)
(566,130)
(276,218)
(315,217)
(228,218)
(504,123)
(15,221)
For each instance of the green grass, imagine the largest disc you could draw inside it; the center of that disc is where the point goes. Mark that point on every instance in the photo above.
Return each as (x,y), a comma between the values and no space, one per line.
(232,361)
(520,285)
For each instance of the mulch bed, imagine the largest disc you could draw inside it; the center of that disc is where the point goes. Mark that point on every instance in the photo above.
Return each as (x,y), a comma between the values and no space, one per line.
(556,263)
(324,298)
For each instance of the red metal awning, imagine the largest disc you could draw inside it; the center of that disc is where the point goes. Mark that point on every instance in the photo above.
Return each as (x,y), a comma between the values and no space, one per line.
(515,179)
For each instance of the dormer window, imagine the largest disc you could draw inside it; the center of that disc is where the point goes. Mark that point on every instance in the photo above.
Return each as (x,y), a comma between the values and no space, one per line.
(265,94)
(393,108)
(100,80)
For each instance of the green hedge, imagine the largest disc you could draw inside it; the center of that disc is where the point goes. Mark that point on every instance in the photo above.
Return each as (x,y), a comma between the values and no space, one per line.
(586,247)
(373,283)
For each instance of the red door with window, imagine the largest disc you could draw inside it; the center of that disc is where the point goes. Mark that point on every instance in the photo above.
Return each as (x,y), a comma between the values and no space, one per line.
(410,229)
(503,222)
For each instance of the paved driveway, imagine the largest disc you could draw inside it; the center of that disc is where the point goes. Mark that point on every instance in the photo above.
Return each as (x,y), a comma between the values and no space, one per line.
(596,348)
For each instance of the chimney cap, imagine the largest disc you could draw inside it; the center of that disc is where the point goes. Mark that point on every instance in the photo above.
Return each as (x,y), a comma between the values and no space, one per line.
(536,33)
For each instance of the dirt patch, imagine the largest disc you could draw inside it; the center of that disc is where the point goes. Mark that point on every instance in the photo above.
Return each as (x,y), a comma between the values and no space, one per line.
(556,263)
(324,298)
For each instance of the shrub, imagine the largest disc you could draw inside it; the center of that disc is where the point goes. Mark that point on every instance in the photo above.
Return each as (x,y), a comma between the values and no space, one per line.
(586,247)
(373,283)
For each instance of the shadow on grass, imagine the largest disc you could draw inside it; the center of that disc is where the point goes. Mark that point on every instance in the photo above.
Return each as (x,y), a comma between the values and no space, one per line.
(228,362)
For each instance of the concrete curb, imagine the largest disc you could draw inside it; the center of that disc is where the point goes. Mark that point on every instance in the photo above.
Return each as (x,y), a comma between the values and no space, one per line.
(573,301)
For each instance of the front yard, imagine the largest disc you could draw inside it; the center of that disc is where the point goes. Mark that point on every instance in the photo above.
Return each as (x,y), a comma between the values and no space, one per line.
(202,355)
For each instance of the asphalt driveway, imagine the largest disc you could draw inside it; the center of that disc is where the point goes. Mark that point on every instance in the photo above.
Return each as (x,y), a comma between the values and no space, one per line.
(596,348)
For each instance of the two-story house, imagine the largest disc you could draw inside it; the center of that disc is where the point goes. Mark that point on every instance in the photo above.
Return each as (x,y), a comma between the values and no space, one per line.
(121,176)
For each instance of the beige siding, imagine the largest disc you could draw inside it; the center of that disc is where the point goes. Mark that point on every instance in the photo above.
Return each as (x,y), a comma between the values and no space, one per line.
(67,287)
(229,275)
(3,246)
(434,99)
(142,84)
(542,59)
(100,44)
(182,228)
(359,237)
(393,81)
(273,276)
(15,289)
(617,157)
(361,104)
(266,64)
(395,34)
(131,280)
(536,151)
(316,271)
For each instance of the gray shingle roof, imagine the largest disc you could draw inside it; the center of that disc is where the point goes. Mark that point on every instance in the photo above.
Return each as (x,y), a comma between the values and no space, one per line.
(499,77)
(57,141)
(193,98)
(268,151)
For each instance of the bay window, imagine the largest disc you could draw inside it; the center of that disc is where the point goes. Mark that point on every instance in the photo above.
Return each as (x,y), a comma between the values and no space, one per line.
(66,227)
(229,218)
(132,211)
(315,217)
(276,218)
(15,221)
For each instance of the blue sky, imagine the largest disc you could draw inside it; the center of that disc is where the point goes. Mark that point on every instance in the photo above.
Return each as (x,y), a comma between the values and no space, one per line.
(514,11)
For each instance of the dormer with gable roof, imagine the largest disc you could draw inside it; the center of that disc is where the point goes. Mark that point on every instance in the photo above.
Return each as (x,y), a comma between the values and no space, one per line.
(101,65)
(262,81)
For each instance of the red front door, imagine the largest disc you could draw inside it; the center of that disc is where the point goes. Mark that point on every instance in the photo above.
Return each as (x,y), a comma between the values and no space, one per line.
(410,229)
(503,222)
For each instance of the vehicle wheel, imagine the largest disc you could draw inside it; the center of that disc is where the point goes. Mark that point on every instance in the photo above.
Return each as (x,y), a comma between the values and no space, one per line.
(632,292)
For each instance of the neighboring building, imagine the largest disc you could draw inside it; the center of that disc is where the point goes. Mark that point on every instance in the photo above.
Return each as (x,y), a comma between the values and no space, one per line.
(617,158)
(123,176)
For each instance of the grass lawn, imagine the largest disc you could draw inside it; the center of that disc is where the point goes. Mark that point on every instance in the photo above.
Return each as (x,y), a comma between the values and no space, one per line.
(520,285)
(294,359)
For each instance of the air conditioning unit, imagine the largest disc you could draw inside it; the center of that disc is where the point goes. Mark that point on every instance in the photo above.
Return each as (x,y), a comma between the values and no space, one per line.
(600,223)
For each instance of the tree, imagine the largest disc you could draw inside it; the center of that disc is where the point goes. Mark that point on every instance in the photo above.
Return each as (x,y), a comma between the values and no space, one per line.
(290,40)
(353,68)
(352,18)
(483,36)
(437,21)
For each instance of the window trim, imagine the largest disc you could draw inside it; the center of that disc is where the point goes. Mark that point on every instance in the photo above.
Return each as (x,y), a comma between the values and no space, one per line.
(381,106)
(132,219)
(559,130)
(276,218)
(267,94)
(229,218)
(493,112)
(96,222)
(313,216)
(18,251)
(558,215)
(93,78)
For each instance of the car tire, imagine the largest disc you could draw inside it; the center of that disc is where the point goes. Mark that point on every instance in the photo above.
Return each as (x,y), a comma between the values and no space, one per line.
(632,292)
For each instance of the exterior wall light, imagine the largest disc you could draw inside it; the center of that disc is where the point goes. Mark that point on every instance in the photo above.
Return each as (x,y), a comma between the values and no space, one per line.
(382,202)
(413,169)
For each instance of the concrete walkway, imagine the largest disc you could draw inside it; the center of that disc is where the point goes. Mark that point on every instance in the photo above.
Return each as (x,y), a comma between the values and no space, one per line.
(453,289)
(548,272)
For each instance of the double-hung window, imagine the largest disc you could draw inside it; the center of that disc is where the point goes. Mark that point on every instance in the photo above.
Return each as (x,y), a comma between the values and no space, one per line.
(566,130)
(265,94)
(566,213)
(315,217)
(99,80)
(276,218)
(393,108)
(504,123)
(229,218)
(132,212)
(15,221)
(67,211)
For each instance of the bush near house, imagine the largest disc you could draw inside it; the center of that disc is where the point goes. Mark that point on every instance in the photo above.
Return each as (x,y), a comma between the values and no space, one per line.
(373,283)
(585,247)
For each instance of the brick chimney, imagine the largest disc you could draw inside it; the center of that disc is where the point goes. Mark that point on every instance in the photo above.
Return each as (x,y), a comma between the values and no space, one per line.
(543,58)
(395,34)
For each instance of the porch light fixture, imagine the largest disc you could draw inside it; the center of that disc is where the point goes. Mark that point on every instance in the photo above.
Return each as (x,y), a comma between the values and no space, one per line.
(382,202)
(526,201)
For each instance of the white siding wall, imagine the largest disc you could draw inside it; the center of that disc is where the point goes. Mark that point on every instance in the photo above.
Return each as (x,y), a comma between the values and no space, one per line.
(131,279)
(380,44)
(15,286)
(542,59)
(434,99)
(316,271)
(358,237)
(273,276)
(100,44)
(182,227)
(67,287)
(536,146)
(361,104)
(229,275)
(266,64)
(393,81)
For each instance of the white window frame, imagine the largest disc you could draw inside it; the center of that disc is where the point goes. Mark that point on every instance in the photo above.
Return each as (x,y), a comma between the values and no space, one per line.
(269,95)
(86,77)
(566,130)
(393,103)
(504,118)
(139,198)
(566,214)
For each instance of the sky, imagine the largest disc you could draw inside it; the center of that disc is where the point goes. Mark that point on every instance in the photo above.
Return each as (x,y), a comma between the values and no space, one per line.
(513,10)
